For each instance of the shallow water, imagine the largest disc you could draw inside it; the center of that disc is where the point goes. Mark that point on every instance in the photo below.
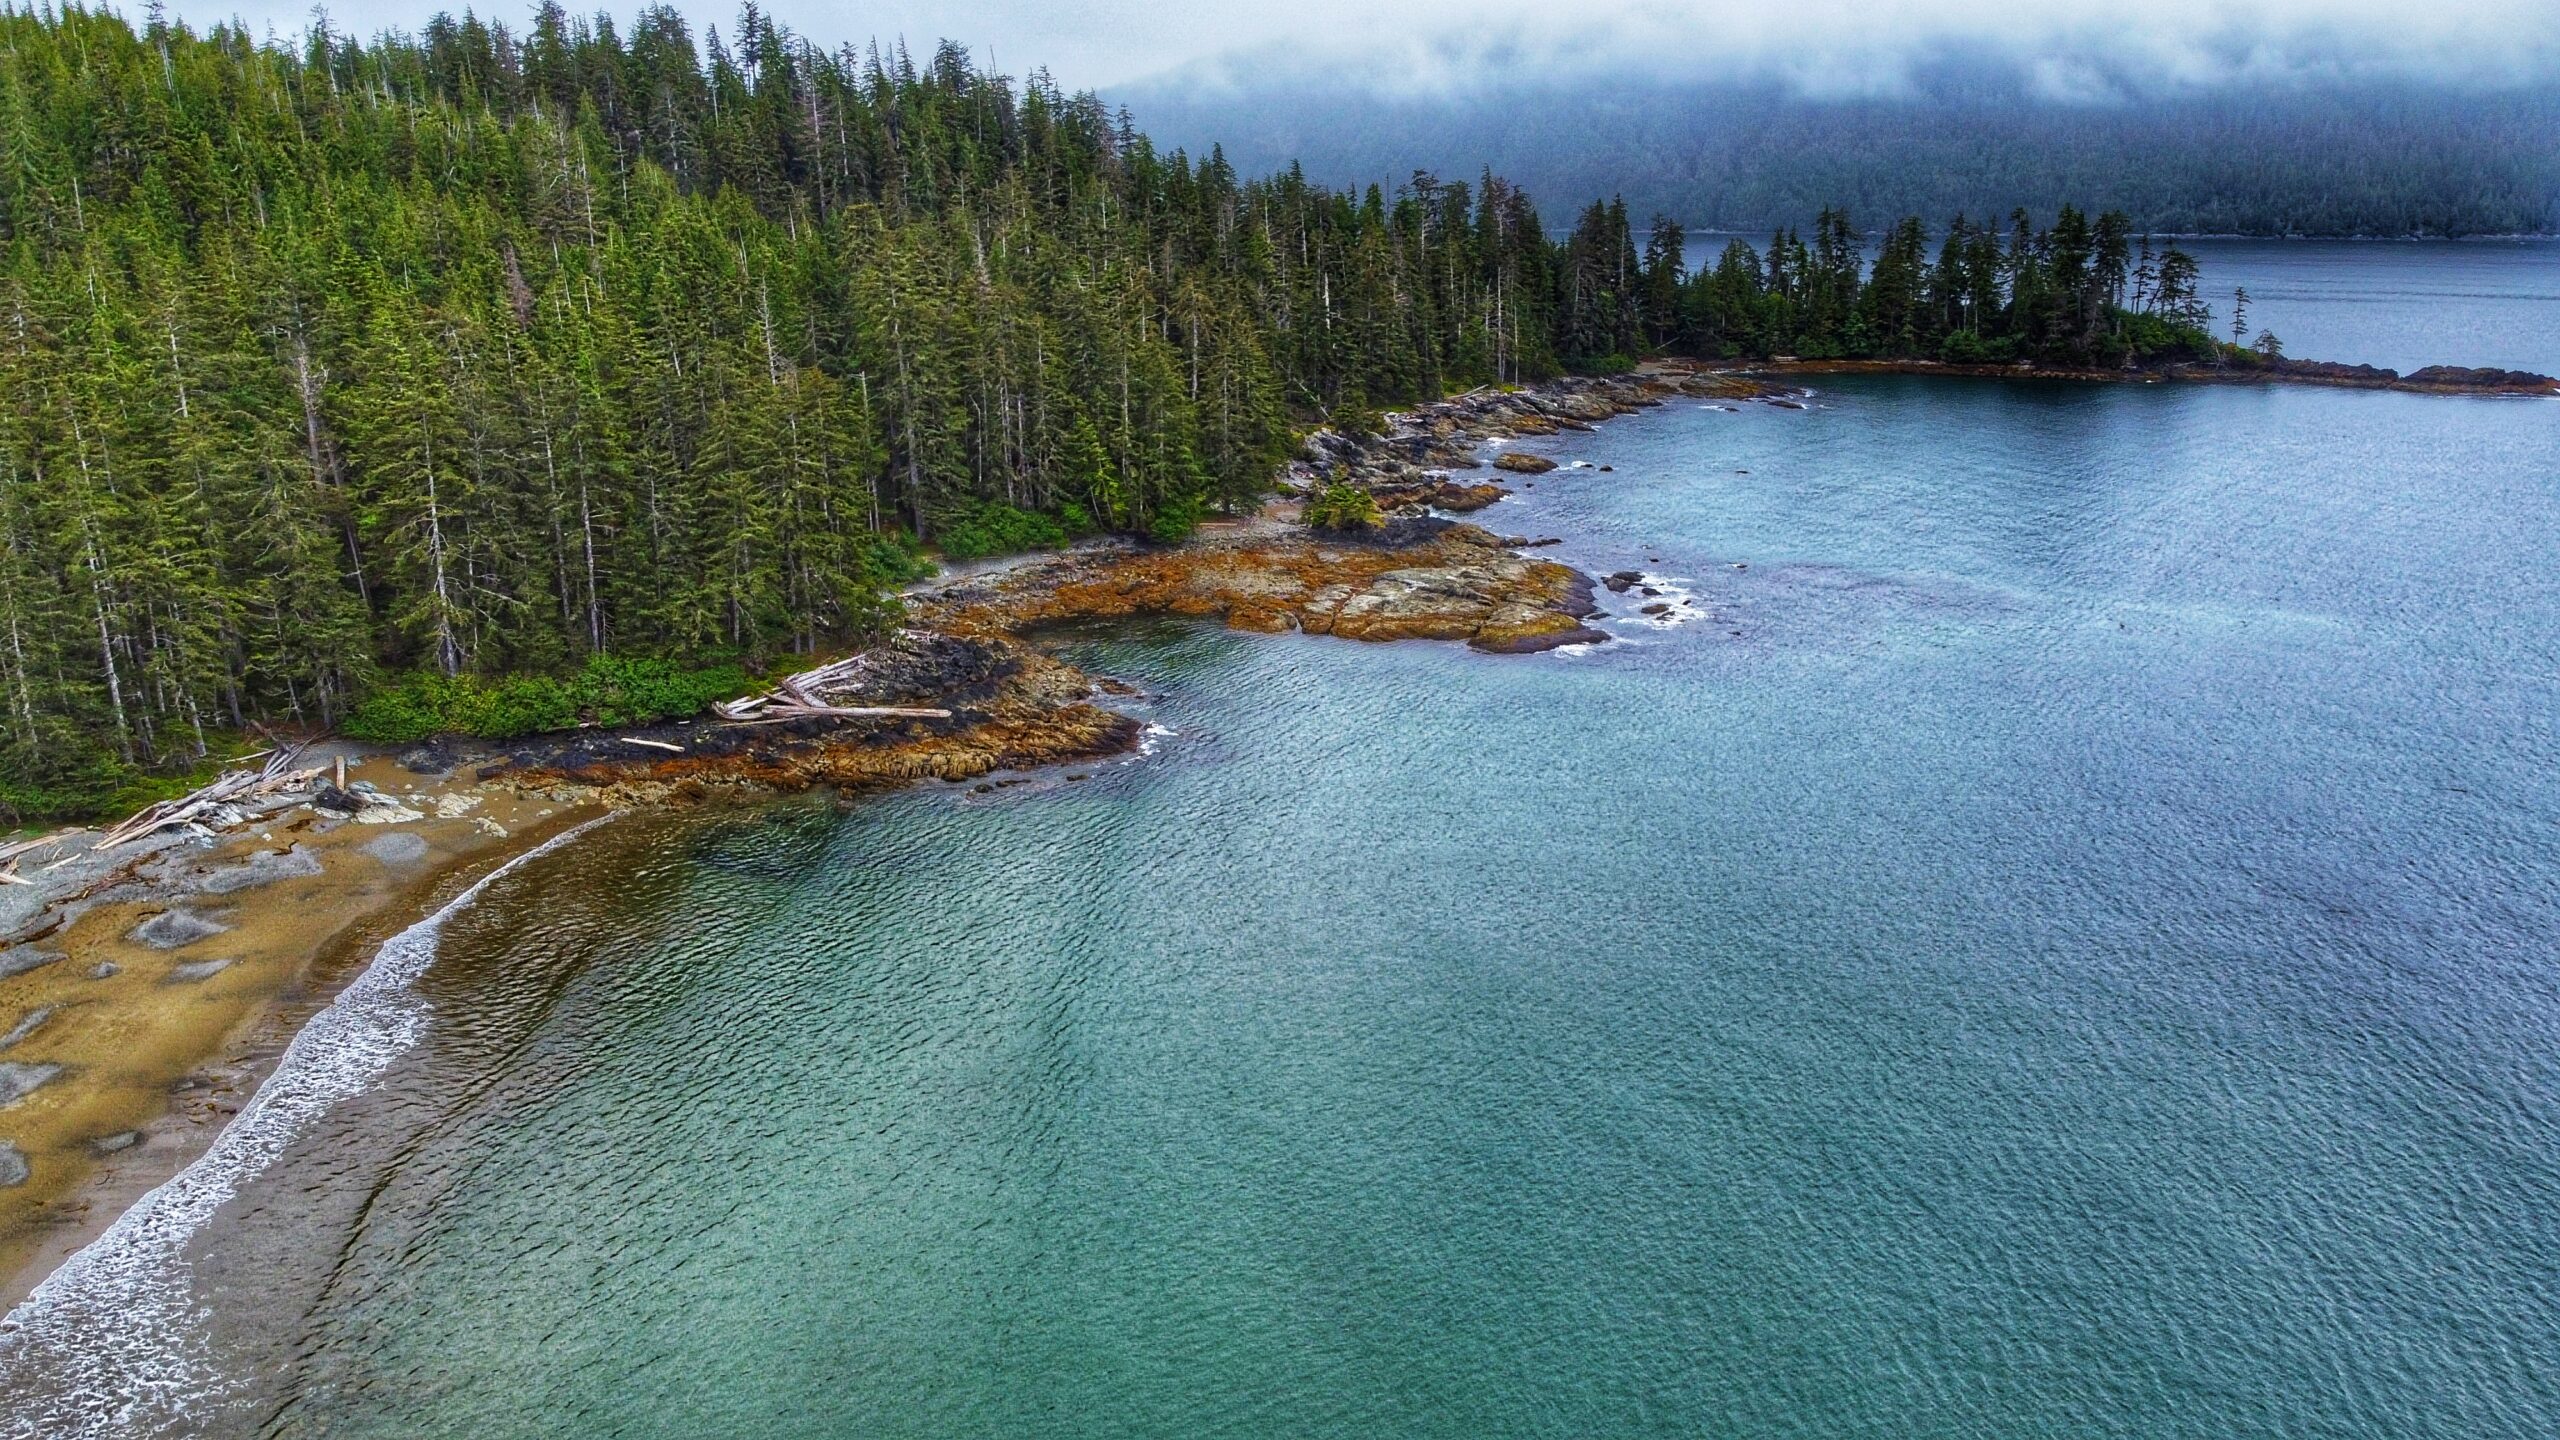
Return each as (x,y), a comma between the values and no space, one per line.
(2059,941)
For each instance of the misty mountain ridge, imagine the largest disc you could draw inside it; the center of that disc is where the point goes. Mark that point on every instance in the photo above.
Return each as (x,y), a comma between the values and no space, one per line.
(1949,135)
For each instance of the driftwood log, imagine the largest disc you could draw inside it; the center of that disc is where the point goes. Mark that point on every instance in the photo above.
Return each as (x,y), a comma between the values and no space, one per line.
(802,696)
(233,788)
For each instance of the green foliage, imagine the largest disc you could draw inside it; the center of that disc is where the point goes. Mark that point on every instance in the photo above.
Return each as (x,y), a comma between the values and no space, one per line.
(79,783)
(1344,508)
(467,355)
(631,692)
(1963,347)
(2081,291)
(1174,523)
(608,691)
(995,528)
(1613,363)
(1358,419)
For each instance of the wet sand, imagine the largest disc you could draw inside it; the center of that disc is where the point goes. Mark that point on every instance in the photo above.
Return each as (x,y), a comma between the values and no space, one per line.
(155,1025)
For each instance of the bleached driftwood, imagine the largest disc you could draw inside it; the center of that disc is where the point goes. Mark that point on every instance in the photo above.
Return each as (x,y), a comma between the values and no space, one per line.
(227,800)
(10,852)
(803,696)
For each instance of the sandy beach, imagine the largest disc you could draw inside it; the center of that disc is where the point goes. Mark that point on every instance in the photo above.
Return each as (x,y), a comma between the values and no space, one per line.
(137,1028)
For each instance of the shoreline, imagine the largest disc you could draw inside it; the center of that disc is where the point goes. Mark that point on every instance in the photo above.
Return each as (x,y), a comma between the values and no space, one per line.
(2431,380)
(145,1035)
(153,1047)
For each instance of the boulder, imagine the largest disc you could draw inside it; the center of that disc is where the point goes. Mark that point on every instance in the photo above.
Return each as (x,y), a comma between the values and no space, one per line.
(399,847)
(174,930)
(19,1079)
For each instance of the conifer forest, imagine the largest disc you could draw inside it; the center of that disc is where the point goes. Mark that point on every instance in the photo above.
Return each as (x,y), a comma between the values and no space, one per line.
(598,354)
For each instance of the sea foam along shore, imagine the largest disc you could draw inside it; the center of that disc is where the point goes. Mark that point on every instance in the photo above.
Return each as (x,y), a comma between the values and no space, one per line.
(119,1315)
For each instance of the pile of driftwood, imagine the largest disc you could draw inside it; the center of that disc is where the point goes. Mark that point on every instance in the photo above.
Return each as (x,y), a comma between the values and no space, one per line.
(801,696)
(9,854)
(233,796)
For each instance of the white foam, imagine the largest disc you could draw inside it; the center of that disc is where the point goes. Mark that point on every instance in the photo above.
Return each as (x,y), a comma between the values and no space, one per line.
(1151,737)
(1674,591)
(113,1339)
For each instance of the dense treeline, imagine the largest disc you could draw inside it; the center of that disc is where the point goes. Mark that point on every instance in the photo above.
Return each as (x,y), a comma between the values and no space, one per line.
(477,354)
(483,380)
(2077,292)
(2337,158)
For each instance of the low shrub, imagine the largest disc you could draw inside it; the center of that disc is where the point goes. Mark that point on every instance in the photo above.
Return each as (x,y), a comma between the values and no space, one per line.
(610,690)
(995,528)
(1175,521)
(1343,507)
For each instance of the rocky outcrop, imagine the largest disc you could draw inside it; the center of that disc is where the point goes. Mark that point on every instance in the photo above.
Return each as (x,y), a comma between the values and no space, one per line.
(1405,468)
(1438,494)
(2495,382)
(1521,462)
(1415,579)
(1011,707)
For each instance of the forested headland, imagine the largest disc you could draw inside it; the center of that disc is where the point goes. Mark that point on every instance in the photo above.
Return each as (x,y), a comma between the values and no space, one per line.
(491,379)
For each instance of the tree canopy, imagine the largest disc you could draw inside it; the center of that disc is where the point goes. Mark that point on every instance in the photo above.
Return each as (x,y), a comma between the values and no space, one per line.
(332,368)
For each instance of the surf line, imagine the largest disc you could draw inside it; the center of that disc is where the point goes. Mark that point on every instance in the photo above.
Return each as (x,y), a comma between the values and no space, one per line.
(116,1326)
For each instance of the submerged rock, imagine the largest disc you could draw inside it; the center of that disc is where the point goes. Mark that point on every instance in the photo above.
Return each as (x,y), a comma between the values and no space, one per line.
(19,1079)
(174,930)
(13,1166)
(400,847)
(110,1144)
(264,869)
(19,959)
(27,1025)
(196,970)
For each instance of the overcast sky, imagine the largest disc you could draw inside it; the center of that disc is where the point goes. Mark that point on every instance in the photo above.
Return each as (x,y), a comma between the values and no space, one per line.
(1840,46)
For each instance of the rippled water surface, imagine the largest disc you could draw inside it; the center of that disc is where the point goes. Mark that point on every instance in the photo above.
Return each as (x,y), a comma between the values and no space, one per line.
(2062,943)
(2400,303)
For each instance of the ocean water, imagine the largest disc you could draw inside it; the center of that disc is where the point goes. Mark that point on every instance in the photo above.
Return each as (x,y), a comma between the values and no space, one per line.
(2056,933)
(2400,303)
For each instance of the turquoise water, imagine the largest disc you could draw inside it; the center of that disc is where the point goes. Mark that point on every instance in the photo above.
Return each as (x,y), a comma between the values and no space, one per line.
(2063,944)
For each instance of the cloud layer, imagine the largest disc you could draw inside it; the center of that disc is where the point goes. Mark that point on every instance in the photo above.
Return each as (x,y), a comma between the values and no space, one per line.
(1822,47)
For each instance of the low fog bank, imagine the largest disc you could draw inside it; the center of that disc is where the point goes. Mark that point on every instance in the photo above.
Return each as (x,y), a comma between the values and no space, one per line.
(2373,157)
